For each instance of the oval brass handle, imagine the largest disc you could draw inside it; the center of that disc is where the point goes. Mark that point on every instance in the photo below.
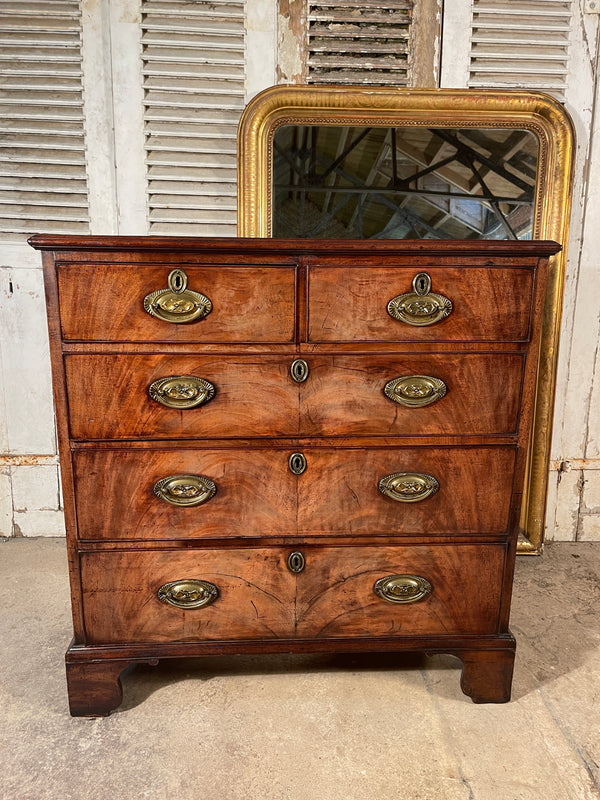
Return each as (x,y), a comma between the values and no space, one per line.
(402,588)
(299,370)
(185,490)
(296,562)
(415,391)
(181,391)
(177,303)
(188,593)
(421,306)
(408,487)
(297,463)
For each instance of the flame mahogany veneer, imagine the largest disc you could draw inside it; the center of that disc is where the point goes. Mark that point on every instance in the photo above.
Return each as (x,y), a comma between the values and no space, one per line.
(274,301)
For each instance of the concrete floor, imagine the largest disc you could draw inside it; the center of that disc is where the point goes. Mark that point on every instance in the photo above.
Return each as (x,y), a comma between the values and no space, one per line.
(306,727)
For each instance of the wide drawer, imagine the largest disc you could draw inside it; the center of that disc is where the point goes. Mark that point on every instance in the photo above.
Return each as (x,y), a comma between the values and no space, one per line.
(109,397)
(257,494)
(350,304)
(252,593)
(106,303)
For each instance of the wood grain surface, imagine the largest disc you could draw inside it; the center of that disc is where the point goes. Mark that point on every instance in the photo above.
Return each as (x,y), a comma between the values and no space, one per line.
(260,598)
(255,396)
(106,303)
(256,494)
(344,394)
(108,397)
(335,594)
(350,304)
(256,595)
(338,493)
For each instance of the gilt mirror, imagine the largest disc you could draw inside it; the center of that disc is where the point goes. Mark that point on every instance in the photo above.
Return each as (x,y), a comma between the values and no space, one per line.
(345,162)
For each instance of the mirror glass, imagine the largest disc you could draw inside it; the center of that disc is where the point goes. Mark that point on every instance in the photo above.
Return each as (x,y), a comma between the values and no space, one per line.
(409,182)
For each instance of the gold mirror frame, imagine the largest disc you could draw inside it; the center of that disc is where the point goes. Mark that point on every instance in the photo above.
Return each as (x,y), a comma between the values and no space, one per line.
(357,106)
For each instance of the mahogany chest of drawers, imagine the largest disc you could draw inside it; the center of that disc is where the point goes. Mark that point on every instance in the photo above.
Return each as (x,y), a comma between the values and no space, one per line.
(291,446)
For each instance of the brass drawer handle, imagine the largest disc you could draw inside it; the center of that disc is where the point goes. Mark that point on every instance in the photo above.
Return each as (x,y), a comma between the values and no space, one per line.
(181,391)
(188,593)
(299,370)
(297,463)
(402,588)
(415,391)
(185,490)
(408,487)
(177,303)
(421,306)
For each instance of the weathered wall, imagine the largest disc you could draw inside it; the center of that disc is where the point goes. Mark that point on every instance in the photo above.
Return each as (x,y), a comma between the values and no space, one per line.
(29,482)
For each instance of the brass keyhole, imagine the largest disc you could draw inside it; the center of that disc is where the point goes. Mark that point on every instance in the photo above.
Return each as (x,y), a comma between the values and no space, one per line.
(297,463)
(299,370)
(422,283)
(296,562)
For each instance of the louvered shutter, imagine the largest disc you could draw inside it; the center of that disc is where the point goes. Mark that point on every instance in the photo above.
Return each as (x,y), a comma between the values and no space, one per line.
(42,156)
(359,42)
(520,44)
(193,64)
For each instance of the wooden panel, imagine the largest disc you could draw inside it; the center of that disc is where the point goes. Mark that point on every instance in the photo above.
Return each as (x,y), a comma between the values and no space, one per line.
(335,594)
(350,304)
(108,397)
(105,303)
(256,592)
(256,494)
(338,493)
(344,394)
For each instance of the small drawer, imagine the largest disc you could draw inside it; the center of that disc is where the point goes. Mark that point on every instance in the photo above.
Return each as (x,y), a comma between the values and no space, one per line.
(255,494)
(461,590)
(254,595)
(339,493)
(106,303)
(350,304)
(124,396)
(412,394)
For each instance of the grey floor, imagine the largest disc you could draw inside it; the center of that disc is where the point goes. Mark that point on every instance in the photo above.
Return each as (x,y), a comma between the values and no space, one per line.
(306,727)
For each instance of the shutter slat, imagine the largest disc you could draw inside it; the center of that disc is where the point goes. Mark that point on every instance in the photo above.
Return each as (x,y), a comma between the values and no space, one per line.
(43,182)
(520,44)
(194,93)
(359,42)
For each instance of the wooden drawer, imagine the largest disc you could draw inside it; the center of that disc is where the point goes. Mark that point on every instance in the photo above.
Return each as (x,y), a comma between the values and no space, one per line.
(335,596)
(258,596)
(345,395)
(109,399)
(255,494)
(106,303)
(338,494)
(121,605)
(255,396)
(349,304)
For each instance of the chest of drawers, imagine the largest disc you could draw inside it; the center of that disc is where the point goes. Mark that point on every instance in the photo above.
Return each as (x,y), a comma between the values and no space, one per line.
(291,446)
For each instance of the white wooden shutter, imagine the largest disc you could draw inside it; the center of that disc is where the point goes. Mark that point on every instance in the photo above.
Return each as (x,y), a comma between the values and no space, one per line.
(193,63)
(42,155)
(359,42)
(520,44)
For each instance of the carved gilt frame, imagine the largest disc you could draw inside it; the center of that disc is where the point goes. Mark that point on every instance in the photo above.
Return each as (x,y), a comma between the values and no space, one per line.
(373,106)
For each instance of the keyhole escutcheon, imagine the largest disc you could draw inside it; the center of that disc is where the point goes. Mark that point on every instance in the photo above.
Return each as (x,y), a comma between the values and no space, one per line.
(422,283)
(296,562)
(297,463)
(299,370)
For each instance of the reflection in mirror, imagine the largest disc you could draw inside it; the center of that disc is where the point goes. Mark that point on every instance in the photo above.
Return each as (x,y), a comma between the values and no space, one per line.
(403,182)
